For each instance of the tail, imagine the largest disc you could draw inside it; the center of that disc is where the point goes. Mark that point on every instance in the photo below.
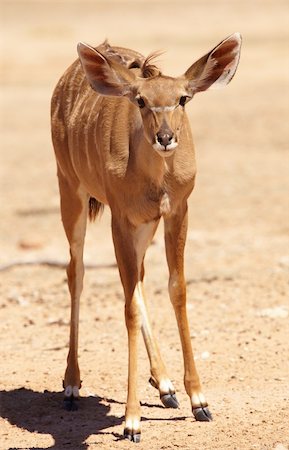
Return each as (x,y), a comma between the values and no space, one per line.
(94,208)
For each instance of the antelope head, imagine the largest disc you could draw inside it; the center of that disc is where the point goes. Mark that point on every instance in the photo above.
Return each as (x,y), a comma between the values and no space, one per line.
(161,100)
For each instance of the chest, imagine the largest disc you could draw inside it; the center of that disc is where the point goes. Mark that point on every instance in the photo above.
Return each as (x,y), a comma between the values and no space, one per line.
(147,202)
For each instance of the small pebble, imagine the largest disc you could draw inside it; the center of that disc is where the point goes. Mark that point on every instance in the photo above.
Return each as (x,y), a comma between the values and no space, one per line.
(277,312)
(205,355)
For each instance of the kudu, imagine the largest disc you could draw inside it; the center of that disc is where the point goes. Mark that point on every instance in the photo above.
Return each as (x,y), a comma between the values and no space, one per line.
(122,137)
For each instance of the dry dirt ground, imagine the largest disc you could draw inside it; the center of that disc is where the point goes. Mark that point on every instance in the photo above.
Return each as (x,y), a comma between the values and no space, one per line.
(237,255)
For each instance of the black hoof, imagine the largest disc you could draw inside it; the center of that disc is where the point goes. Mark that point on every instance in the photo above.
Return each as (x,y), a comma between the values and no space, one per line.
(202,414)
(70,403)
(131,436)
(170,401)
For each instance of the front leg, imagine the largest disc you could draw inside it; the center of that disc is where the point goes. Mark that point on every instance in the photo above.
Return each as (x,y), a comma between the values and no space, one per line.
(175,238)
(130,244)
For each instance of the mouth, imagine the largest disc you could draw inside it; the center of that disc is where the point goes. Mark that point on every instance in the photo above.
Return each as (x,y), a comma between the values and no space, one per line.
(165,150)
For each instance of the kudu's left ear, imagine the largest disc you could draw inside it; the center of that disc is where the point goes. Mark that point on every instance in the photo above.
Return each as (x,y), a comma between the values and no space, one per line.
(105,76)
(216,68)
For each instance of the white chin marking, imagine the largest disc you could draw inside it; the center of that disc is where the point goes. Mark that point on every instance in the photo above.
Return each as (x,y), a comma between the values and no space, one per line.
(165,151)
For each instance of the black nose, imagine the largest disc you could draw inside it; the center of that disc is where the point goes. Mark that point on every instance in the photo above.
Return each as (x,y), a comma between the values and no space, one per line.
(165,138)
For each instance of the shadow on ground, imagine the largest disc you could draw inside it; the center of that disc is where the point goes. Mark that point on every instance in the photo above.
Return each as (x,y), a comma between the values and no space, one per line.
(43,413)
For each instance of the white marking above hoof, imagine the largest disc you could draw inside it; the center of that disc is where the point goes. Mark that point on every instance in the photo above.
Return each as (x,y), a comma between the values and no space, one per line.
(166,386)
(198,400)
(132,424)
(71,391)
(75,391)
(68,391)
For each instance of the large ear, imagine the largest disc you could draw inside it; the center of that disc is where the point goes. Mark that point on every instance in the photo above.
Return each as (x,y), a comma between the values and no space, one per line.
(216,68)
(105,76)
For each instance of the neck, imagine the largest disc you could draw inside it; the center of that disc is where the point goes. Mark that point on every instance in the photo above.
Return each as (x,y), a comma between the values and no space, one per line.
(151,163)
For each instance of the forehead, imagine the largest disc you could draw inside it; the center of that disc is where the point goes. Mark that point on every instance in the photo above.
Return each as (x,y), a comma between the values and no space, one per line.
(161,91)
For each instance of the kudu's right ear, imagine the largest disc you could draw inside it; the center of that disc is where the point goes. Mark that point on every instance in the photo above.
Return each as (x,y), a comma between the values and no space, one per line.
(105,76)
(216,68)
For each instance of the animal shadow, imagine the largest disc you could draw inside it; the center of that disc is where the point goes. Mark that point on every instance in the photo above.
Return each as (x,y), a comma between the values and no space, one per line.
(42,412)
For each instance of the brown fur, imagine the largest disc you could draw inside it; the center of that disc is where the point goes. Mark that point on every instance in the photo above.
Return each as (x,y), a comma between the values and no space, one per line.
(127,143)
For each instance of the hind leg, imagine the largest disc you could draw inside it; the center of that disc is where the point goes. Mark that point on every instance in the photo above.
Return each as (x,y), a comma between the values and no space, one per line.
(74,209)
(159,377)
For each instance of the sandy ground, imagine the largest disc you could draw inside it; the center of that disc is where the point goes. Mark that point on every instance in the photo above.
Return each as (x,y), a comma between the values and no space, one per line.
(237,255)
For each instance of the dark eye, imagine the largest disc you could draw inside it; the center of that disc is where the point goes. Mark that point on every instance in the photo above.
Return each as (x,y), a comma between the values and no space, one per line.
(183,100)
(141,102)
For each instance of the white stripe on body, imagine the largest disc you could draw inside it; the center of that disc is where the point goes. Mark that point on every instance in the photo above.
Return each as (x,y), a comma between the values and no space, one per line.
(87,131)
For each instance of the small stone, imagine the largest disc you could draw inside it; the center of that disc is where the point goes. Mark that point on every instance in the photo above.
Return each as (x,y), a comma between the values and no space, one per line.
(30,244)
(284,262)
(205,355)
(280,447)
(274,313)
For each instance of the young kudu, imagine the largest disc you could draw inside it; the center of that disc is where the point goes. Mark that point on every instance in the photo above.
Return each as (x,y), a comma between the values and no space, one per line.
(122,137)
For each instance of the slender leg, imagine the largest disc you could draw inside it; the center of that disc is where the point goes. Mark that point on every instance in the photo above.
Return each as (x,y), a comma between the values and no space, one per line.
(74,216)
(159,377)
(130,244)
(175,238)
